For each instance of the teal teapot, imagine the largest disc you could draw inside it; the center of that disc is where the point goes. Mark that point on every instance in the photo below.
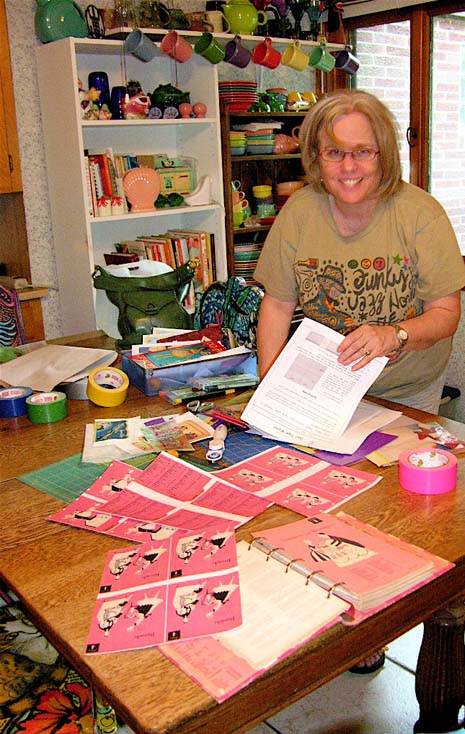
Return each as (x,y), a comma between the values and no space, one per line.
(55,19)
(243,17)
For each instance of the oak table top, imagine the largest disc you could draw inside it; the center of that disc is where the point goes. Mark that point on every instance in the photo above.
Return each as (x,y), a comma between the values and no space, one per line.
(55,570)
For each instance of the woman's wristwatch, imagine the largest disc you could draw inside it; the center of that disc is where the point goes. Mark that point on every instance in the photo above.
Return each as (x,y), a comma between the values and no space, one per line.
(402,338)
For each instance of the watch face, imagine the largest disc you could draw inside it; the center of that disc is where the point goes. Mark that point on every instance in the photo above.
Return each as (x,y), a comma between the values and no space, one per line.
(59,19)
(402,336)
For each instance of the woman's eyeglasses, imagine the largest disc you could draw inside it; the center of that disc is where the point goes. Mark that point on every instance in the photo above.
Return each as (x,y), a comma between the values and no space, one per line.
(335,155)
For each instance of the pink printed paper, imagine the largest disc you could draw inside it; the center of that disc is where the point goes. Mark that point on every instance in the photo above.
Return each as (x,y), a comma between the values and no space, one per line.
(178,588)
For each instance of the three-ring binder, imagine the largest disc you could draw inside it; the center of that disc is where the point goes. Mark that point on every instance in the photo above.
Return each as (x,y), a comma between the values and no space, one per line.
(323,581)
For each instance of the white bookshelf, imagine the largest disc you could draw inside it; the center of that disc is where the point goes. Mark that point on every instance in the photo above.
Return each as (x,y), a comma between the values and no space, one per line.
(81,239)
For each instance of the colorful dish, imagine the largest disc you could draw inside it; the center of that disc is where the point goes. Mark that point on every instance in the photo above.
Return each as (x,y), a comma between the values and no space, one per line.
(141,187)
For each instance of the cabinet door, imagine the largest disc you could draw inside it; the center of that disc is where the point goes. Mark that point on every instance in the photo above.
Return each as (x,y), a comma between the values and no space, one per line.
(10,172)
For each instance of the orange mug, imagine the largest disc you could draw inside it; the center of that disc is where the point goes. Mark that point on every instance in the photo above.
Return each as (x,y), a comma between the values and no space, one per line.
(237,196)
(176,46)
(295,133)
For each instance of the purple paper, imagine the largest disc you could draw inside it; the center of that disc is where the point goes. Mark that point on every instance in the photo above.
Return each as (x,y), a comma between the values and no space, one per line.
(374,441)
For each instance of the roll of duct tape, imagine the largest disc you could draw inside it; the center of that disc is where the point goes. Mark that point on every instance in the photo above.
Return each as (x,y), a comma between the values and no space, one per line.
(428,471)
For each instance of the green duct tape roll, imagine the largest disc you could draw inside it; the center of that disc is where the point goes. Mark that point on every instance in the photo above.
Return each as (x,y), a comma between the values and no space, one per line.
(47,407)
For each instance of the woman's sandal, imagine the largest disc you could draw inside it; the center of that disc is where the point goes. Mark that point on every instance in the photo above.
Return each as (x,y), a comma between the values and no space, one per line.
(371,664)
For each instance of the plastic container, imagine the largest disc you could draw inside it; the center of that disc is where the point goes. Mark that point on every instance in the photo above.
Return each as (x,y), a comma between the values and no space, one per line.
(151,382)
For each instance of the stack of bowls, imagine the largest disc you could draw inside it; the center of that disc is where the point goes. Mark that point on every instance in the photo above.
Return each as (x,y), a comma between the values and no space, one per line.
(284,190)
(260,142)
(263,196)
(237,142)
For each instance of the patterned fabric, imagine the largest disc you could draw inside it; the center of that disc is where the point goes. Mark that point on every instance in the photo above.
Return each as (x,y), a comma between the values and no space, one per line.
(234,305)
(11,322)
(40,693)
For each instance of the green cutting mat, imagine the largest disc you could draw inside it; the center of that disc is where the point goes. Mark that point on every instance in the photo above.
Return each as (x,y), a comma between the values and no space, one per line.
(65,480)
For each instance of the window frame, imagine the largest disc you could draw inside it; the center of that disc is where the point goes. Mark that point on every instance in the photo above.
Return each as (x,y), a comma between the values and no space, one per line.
(420,59)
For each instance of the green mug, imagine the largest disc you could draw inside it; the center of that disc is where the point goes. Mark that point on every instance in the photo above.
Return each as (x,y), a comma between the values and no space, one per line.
(208,47)
(321,59)
(238,217)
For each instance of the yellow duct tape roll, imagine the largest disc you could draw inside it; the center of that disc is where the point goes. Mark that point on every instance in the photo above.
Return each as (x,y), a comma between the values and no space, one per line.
(107,386)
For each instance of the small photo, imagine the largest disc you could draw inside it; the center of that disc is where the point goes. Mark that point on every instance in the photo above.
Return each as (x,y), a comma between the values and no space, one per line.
(110,430)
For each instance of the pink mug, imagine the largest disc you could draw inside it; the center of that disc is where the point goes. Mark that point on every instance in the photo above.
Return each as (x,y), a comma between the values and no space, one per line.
(176,46)
(265,55)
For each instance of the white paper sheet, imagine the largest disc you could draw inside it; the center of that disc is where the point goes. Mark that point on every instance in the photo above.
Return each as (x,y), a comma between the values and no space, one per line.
(308,398)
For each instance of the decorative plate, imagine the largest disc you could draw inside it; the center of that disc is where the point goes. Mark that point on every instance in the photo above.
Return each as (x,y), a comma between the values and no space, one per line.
(141,186)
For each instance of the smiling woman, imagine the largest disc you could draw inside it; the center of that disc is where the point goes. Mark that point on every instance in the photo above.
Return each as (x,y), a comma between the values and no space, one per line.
(357,248)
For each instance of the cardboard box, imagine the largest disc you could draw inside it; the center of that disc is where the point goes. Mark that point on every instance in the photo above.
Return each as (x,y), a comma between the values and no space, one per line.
(176,180)
(151,382)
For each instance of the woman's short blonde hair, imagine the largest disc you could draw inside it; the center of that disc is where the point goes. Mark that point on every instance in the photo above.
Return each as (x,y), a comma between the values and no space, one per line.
(321,118)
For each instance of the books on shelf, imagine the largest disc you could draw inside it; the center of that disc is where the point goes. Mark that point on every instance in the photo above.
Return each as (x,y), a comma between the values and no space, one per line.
(120,258)
(104,179)
(201,245)
(285,602)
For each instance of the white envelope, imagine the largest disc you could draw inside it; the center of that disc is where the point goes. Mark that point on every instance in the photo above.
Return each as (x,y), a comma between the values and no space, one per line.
(44,368)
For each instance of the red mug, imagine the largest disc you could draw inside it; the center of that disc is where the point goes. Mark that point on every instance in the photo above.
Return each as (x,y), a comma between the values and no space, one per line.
(265,55)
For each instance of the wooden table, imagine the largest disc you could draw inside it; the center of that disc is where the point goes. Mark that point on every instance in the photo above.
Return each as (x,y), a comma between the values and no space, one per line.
(55,570)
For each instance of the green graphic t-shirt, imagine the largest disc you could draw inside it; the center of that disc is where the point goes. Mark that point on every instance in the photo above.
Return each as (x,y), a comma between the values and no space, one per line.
(408,254)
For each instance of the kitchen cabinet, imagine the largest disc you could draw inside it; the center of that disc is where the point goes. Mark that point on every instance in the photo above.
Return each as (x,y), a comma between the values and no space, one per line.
(10,172)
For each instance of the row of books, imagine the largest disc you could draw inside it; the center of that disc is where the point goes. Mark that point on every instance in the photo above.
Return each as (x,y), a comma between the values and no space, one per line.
(175,248)
(103,180)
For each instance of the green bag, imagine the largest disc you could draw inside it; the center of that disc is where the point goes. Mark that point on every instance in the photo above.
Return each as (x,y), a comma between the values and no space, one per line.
(143,303)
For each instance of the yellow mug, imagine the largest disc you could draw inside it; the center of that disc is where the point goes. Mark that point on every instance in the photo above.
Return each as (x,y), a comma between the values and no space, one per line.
(310,97)
(294,57)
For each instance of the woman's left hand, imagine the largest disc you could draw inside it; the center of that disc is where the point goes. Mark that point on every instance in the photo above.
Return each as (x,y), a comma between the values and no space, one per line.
(365,343)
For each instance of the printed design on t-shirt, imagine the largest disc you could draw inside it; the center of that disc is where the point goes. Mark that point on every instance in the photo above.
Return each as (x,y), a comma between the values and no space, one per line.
(323,306)
(346,295)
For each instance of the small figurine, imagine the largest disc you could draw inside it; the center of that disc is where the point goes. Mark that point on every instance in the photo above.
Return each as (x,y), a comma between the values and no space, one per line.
(136,105)
(167,96)
(185,110)
(89,107)
(137,108)
(88,99)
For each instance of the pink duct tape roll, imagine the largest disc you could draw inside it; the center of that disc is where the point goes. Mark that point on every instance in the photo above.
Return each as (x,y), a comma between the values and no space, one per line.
(428,471)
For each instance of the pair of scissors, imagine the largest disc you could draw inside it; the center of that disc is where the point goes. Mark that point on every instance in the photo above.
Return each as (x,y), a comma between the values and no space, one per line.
(196,406)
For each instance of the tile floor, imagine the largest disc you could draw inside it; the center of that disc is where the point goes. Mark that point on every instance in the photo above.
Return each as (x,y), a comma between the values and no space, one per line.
(381,703)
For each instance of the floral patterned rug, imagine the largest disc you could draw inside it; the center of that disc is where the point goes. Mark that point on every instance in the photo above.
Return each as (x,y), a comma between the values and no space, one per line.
(40,693)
